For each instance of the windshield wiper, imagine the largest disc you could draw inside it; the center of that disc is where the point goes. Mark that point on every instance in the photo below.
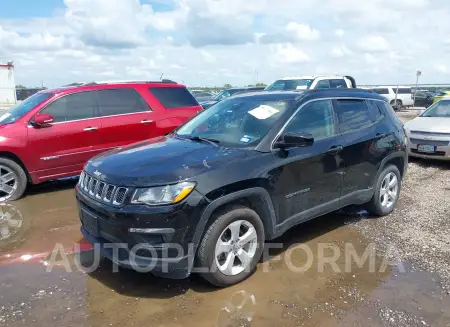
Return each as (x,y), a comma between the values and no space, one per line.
(202,139)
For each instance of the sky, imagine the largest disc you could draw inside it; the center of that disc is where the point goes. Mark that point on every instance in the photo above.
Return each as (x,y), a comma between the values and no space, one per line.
(214,42)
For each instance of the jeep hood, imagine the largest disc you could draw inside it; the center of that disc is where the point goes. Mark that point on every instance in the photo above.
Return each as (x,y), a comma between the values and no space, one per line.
(160,161)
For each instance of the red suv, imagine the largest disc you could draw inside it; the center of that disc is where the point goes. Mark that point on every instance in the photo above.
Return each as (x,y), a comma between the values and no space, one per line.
(54,132)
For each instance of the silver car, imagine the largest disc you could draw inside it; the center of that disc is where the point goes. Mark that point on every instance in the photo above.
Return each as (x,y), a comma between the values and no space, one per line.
(429,133)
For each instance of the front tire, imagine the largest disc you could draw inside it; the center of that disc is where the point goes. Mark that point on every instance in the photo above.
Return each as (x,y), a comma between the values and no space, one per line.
(232,246)
(13,180)
(387,192)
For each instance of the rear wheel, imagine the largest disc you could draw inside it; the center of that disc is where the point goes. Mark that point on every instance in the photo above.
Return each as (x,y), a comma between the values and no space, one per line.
(232,246)
(13,180)
(387,191)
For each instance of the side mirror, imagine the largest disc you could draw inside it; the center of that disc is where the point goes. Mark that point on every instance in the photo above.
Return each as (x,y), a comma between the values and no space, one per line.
(43,120)
(294,140)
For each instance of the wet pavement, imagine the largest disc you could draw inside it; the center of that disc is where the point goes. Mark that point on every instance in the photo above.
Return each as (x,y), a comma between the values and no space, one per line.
(274,296)
(388,291)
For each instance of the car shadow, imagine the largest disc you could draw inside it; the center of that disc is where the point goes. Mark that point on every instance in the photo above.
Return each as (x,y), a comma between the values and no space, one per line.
(134,284)
(427,163)
(51,186)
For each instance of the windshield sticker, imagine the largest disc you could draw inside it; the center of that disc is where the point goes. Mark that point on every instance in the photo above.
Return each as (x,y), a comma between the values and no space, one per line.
(245,139)
(263,111)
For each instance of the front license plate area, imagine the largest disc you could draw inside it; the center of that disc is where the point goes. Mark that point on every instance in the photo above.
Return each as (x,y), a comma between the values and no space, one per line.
(426,148)
(90,222)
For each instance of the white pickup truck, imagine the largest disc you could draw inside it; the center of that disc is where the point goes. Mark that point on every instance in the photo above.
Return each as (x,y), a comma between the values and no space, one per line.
(312,82)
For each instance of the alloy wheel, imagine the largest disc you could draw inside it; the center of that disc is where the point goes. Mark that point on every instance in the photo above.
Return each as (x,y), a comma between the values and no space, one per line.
(389,190)
(236,247)
(8,183)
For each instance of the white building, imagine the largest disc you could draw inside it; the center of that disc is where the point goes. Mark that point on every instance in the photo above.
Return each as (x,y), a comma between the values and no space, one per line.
(7,86)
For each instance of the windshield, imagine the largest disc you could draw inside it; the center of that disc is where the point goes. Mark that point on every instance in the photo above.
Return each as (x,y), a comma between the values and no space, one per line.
(289,84)
(439,109)
(235,122)
(222,95)
(23,107)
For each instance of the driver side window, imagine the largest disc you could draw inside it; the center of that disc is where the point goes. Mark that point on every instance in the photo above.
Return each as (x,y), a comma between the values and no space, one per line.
(316,118)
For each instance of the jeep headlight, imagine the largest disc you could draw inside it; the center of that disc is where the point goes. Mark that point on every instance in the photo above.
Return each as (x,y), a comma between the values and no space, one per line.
(160,195)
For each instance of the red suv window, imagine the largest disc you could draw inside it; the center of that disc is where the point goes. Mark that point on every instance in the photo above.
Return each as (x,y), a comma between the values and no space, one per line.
(174,97)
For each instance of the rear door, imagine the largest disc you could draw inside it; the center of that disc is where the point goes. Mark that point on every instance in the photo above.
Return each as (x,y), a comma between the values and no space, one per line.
(359,133)
(126,117)
(62,148)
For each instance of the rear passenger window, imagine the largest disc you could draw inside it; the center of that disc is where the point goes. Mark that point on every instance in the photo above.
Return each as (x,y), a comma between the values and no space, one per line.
(402,90)
(353,115)
(338,84)
(72,107)
(120,101)
(174,97)
(324,84)
(374,110)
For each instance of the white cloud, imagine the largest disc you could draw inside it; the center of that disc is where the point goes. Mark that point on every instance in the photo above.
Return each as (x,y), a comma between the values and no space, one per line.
(340,51)
(373,43)
(288,53)
(441,68)
(212,42)
(302,32)
(339,32)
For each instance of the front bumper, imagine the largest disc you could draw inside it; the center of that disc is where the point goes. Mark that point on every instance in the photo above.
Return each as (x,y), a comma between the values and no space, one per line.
(441,144)
(144,238)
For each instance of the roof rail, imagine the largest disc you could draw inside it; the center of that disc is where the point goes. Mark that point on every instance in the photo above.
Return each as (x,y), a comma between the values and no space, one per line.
(125,82)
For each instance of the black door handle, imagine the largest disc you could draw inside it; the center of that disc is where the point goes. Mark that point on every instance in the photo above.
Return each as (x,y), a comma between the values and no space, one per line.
(335,149)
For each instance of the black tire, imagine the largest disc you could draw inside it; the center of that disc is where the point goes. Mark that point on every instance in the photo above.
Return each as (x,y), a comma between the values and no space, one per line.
(206,251)
(374,206)
(21,178)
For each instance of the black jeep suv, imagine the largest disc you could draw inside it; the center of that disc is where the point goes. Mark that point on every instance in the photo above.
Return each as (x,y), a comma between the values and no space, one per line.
(212,192)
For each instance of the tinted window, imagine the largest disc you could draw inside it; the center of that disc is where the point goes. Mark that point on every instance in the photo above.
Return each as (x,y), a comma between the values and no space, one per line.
(338,84)
(402,90)
(174,97)
(315,118)
(324,84)
(380,91)
(22,108)
(120,101)
(72,107)
(353,115)
(374,110)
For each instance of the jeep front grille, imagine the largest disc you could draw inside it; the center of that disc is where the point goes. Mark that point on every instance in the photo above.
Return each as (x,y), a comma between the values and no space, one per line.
(102,191)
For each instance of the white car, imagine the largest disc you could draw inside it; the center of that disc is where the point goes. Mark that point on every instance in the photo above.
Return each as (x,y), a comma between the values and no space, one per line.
(429,133)
(405,97)
(312,82)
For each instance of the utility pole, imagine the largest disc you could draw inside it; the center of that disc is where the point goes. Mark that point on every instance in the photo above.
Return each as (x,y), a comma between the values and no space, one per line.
(418,73)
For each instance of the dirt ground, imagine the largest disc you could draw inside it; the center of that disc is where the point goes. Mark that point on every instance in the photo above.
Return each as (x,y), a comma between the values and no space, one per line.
(408,284)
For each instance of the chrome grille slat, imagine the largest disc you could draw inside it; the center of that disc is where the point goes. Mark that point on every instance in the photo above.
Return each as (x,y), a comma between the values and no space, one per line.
(119,196)
(102,191)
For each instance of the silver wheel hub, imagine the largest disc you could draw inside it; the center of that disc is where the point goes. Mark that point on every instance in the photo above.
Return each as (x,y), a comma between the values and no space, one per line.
(389,190)
(236,248)
(8,183)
